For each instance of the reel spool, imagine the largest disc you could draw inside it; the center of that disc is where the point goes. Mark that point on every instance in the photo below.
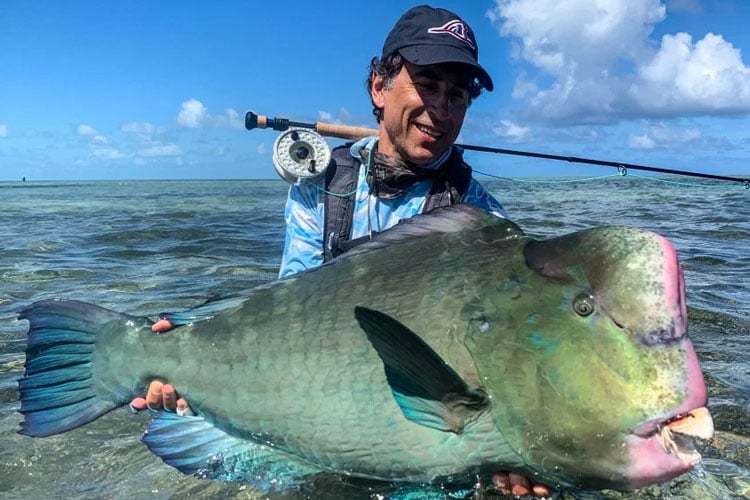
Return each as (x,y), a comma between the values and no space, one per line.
(300,154)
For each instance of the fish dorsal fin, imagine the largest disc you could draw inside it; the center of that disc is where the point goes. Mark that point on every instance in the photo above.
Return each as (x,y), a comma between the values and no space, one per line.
(429,392)
(453,219)
(205,311)
(196,447)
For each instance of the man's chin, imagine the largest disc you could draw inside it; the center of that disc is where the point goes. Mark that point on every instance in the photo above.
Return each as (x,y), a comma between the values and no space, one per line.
(425,154)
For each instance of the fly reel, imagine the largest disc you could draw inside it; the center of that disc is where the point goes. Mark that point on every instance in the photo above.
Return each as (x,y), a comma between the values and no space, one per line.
(300,154)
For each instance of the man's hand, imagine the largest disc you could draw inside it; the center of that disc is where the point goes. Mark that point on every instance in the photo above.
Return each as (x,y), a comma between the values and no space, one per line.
(510,483)
(161,396)
(162,325)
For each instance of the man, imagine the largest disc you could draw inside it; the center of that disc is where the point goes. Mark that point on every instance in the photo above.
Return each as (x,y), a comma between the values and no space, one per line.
(420,88)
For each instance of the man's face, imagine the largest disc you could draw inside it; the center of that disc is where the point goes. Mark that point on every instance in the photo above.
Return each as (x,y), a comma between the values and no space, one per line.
(423,111)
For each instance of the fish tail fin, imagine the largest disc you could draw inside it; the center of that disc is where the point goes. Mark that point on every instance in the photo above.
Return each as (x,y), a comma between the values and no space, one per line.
(58,391)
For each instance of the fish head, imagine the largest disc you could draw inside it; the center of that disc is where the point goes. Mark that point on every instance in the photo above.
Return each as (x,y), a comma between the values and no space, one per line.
(585,355)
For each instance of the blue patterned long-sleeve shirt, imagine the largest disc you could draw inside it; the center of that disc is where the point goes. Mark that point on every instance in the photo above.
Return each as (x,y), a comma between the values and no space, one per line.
(305,220)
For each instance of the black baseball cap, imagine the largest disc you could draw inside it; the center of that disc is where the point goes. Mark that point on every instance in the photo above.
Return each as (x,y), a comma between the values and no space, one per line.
(426,35)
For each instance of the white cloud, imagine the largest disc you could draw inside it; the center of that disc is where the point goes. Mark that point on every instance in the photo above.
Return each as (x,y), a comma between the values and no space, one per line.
(160,150)
(233,117)
(261,149)
(140,128)
(194,114)
(641,142)
(595,62)
(86,130)
(100,146)
(3,130)
(143,132)
(230,118)
(343,116)
(512,132)
(703,78)
(107,153)
(151,140)
(659,136)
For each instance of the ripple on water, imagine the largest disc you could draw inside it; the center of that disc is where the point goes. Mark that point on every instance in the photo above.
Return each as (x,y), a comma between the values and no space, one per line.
(37,276)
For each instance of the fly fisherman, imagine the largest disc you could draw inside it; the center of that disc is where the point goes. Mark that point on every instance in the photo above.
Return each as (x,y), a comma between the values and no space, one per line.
(420,88)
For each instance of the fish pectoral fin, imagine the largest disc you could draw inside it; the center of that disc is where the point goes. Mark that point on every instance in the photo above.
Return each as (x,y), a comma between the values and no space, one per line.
(197,447)
(428,391)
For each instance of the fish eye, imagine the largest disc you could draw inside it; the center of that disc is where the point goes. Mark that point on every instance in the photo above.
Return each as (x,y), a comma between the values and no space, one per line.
(583,304)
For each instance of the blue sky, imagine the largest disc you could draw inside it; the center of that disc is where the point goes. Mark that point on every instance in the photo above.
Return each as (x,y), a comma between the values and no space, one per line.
(122,90)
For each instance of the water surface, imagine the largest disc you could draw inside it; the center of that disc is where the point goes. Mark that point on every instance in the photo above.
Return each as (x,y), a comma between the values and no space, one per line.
(149,246)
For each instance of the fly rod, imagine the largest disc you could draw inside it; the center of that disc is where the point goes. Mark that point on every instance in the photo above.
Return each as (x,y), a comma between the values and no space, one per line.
(253,121)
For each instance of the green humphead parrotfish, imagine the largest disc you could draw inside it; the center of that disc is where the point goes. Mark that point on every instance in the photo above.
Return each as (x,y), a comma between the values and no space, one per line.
(446,348)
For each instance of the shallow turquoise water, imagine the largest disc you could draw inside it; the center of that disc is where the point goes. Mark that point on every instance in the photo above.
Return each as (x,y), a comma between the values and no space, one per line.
(149,246)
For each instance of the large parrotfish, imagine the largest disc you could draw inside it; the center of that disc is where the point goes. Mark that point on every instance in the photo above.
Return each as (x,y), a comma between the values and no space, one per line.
(447,348)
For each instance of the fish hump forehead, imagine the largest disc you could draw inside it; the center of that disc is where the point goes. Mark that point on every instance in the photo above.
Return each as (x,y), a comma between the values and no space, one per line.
(634,275)
(597,249)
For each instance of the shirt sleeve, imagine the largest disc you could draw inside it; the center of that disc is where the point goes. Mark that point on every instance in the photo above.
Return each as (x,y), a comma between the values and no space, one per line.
(303,244)
(478,196)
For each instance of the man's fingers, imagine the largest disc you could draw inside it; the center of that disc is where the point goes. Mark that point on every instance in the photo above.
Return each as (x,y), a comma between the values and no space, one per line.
(542,491)
(501,480)
(519,485)
(138,404)
(183,409)
(169,397)
(161,396)
(154,398)
(161,326)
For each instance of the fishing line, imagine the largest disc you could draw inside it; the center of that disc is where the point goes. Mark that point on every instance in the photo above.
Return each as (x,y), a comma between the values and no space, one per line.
(547,181)
(605,163)
(603,177)
(298,158)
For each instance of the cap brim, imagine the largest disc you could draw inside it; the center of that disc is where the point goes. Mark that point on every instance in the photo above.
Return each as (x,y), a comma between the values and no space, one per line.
(424,55)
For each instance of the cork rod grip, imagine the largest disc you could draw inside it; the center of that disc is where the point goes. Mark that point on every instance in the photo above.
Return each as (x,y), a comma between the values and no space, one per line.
(253,121)
(344,131)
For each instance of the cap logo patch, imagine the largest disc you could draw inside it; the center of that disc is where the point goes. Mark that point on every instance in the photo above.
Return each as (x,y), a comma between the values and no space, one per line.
(455,28)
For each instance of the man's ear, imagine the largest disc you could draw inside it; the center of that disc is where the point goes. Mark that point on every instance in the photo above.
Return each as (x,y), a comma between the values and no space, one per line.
(376,91)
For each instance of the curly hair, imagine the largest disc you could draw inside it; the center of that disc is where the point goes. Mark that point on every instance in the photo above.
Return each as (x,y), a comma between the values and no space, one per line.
(389,67)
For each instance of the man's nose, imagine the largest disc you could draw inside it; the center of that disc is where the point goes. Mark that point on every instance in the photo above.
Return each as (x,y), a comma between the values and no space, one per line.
(441,104)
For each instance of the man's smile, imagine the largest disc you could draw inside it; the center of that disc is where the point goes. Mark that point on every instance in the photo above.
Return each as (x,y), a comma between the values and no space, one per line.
(429,131)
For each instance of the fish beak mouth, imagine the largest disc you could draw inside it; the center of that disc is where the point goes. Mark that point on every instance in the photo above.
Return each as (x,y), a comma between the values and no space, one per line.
(676,434)
(661,450)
